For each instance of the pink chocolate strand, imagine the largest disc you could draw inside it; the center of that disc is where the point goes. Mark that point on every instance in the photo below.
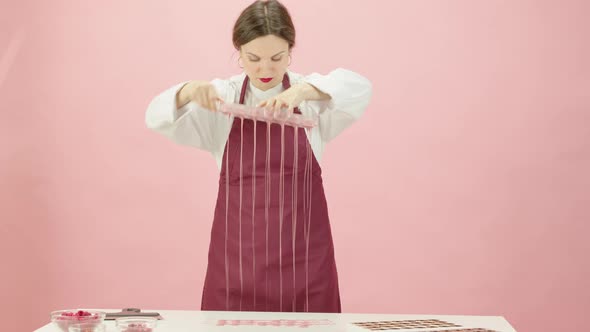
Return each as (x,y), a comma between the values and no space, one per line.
(253,212)
(226,224)
(267,191)
(281,205)
(309,179)
(294,209)
(240,211)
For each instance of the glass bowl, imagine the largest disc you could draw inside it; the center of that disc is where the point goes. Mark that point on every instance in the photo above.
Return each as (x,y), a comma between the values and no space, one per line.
(64,318)
(136,324)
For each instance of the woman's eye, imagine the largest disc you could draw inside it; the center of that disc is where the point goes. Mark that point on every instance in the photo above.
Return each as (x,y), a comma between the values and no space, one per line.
(256,60)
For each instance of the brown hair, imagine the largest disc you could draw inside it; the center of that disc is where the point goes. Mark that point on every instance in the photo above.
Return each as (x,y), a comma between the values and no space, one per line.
(263,18)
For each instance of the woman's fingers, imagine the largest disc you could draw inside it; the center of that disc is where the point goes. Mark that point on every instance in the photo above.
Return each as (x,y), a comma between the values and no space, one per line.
(276,105)
(208,102)
(271,105)
(214,100)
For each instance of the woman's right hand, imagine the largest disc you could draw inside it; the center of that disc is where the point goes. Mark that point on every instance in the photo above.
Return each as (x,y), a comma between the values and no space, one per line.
(201,92)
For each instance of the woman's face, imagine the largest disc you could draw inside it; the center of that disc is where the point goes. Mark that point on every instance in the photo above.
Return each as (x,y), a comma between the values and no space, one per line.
(265,60)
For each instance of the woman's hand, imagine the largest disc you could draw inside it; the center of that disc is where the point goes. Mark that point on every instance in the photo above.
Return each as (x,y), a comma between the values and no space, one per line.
(201,92)
(292,97)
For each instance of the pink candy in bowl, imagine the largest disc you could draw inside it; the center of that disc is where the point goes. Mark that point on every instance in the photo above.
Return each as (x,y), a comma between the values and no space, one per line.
(64,318)
(136,324)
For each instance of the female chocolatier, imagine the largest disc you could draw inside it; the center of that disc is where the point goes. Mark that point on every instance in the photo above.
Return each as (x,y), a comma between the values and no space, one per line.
(271,245)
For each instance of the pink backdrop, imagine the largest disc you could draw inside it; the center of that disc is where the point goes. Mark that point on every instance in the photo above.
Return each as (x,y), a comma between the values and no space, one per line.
(463,190)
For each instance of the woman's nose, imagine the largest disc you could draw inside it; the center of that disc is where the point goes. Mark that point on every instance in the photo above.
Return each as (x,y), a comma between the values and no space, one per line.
(266,65)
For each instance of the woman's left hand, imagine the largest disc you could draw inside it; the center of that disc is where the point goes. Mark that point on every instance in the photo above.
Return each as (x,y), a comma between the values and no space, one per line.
(289,98)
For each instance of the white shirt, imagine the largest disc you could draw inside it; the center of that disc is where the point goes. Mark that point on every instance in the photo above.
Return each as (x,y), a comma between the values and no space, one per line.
(196,126)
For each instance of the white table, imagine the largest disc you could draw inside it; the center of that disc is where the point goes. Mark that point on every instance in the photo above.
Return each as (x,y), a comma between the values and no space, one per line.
(222,321)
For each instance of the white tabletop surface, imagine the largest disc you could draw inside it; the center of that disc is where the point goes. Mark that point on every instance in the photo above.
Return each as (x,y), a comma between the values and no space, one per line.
(221,321)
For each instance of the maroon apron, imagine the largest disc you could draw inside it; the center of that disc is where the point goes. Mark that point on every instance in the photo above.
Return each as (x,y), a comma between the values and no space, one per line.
(255,263)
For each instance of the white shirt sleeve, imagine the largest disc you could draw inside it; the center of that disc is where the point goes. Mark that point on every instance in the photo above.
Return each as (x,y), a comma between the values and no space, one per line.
(191,124)
(350,95)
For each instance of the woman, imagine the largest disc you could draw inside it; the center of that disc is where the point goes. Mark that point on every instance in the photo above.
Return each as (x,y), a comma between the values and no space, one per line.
(271,245)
